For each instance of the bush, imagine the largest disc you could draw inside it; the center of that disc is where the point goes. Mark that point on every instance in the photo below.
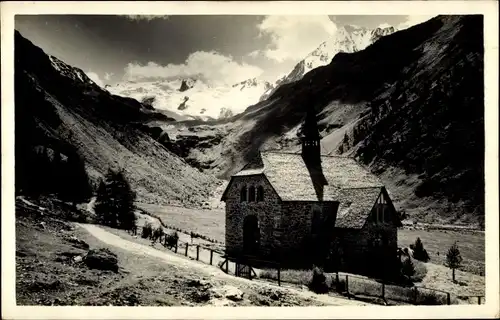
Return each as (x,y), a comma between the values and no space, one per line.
(318,281)
(157,233)
(171,239)
(147,230)
(419,252)
(114,205)
(407,268)
(420,271)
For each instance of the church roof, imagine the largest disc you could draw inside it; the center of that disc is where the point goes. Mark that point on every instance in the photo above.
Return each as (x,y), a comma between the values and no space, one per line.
(355,206)
(292,181)
(354,187)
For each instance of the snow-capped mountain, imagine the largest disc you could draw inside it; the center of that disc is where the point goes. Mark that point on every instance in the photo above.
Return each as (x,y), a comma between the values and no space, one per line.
(346,39)
(194,98)
(69,71)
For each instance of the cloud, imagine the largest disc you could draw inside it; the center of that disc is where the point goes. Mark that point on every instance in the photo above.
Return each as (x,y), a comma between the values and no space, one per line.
(95,77)
(107,76)
(293,37)
(413,20)
(384,25)
(213,67)
(146,17)
(255,53)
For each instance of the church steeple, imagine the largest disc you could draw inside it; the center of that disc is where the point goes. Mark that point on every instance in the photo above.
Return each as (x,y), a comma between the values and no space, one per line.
(311,148)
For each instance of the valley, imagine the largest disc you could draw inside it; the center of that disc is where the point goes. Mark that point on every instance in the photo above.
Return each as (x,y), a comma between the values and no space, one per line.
(390,123)
(408,105)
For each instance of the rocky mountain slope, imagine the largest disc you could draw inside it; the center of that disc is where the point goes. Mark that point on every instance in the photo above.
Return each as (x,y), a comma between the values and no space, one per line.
(409,106)
(63,116)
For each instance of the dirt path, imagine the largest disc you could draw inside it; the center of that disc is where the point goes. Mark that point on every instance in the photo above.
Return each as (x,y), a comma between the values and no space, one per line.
(178,261)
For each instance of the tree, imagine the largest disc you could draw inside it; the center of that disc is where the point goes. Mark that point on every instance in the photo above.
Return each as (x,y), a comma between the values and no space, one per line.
(115,201)
(75,184)
(419,252)
(453,258)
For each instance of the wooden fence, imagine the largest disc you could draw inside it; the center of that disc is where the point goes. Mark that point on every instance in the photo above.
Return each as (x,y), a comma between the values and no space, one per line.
(347,285)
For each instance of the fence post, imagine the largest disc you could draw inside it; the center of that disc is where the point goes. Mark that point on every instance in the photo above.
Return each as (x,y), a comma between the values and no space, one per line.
(176,245)
(347,284)
(448,298)
(383,290)
(187,246)
(279,276)
(211,256)
(197,252)
(227,266)
(415,295)
(478,299)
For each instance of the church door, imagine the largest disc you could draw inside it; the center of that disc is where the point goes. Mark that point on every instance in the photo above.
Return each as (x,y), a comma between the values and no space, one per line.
(251,235)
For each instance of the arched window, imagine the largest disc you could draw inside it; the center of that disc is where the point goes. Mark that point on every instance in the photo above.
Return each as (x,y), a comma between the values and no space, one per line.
(260,193)
(243,194)
(251,194)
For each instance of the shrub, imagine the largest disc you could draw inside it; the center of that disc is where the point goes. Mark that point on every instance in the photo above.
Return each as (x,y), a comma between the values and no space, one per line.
(147,230)
(419,252)
(420,271)
(157,233)
(171,239)
(407,268)
(318,281)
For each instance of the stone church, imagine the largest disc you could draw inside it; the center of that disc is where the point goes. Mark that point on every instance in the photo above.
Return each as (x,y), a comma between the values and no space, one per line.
(301,209)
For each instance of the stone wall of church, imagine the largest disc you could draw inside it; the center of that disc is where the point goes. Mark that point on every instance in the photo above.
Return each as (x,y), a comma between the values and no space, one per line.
(236,211)
(296,243)
(371,250)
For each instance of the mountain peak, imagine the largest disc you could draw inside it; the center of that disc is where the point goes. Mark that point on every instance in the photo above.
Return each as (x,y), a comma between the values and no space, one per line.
(347,39)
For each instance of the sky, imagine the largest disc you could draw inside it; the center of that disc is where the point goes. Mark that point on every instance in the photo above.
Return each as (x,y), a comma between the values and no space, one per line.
(223,49)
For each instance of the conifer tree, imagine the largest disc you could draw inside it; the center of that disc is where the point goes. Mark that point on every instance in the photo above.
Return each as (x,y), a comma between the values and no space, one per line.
(419,252)
(115,201)
(453,259)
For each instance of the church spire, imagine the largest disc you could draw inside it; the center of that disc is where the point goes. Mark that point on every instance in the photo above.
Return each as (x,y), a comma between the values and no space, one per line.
(310,129)
(311,148)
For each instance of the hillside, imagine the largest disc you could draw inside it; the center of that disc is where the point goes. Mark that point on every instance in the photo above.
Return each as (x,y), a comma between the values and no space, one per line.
(410,107)
(69,131)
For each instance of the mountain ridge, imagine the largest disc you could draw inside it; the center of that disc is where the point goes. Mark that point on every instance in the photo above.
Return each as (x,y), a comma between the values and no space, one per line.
(62,112)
